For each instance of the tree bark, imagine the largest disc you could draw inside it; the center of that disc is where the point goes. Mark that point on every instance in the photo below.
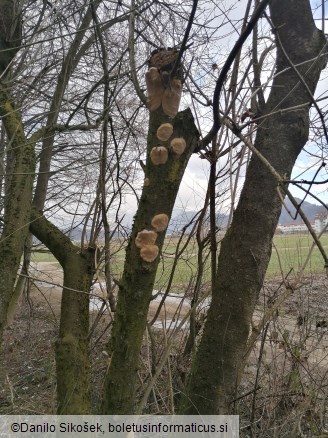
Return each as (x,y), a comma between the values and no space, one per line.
(72,348)
(18,198)
(138,279)
(246,249)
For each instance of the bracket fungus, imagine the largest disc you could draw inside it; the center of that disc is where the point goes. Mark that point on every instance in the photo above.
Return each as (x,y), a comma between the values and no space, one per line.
(171,98)
(159,155)
(149,253)
(160,222)
(165,131)
(162,88)
(178,145)
(145,238)
(155,89)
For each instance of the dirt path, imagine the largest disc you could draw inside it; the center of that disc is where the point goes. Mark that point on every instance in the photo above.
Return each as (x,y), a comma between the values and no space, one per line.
(46,291)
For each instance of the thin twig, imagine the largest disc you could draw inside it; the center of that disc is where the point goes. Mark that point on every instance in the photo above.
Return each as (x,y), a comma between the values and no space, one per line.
(133,70)
(281,184)
(305,85)
(185,39)
(163,361)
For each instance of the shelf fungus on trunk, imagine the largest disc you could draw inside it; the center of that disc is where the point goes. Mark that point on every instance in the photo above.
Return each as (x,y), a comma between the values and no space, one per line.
(149,253)
(171,98)
(160,222)
(145,240)
(178,145)
(165,131)
(159,155)
(145,237)
(162,88)
(155,89)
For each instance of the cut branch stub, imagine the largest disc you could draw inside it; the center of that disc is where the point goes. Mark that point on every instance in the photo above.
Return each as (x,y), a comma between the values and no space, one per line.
(159,155)
(145,237)
(163,59)
(178,145)
(165,131)
(160,222)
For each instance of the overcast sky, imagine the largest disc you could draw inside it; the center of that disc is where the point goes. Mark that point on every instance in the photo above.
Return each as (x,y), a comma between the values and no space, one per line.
(193,186)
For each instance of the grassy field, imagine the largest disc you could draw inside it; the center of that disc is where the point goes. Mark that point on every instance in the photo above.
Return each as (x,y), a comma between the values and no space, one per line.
(289,252)
(293,250)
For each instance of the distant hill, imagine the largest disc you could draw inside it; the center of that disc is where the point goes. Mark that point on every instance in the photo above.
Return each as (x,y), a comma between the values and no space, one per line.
(308,208)
(181,218)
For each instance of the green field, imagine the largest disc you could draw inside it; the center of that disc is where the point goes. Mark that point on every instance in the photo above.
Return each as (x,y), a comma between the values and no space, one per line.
(42,257)
(291,250)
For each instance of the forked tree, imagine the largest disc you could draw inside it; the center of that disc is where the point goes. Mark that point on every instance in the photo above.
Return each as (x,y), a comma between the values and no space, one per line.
(246,249)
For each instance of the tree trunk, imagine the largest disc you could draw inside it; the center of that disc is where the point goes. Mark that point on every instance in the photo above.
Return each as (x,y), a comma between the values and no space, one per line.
(22,281)
(18,198)
(246,249)
(72,349)
(158,197)
(138,279)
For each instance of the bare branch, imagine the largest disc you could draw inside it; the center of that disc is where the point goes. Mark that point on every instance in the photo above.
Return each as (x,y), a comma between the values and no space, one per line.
(134,76)
(185,39)
(219,84)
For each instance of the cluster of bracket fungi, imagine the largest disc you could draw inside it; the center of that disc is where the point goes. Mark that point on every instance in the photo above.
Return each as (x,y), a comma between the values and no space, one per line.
(146,239)
(163,91)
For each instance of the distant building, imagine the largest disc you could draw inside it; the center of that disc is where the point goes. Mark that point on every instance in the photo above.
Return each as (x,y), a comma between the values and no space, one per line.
(294,227)
(318,224)
(320,221)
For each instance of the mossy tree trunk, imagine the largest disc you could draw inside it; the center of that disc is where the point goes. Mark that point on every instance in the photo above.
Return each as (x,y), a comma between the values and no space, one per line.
(17,166)
(72,349)
(246,249)
(158,197)
(18,198)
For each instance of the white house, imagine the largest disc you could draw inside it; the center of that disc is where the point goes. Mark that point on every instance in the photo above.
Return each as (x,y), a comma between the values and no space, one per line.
(294,227)
(321,221)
